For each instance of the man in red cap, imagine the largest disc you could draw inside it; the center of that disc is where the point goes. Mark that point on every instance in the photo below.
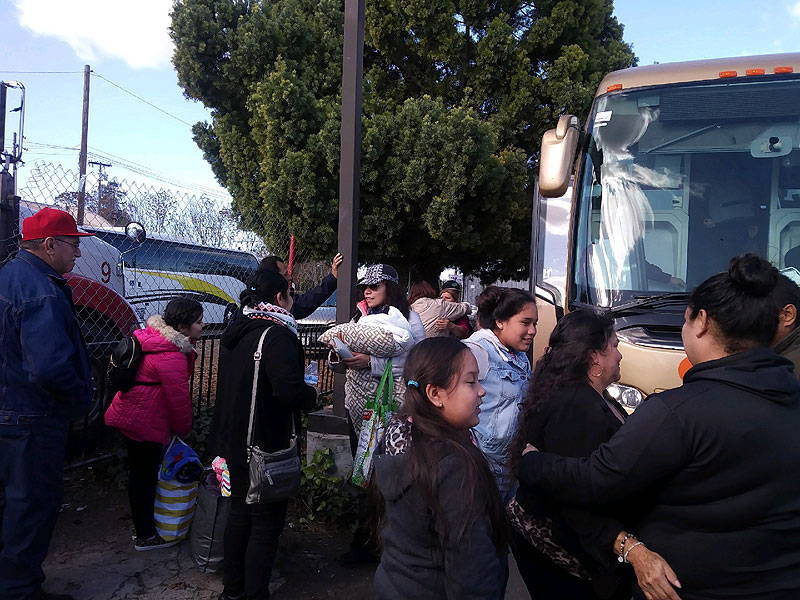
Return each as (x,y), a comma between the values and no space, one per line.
(45,381)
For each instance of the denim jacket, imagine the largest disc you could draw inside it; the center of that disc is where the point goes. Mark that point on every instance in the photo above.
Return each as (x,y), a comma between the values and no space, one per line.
(504,374)
(44,365)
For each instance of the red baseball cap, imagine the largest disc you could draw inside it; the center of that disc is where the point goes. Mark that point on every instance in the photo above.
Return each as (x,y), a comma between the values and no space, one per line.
(50,222)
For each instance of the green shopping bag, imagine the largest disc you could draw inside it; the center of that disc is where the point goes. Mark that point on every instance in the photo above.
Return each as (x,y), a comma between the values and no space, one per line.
(377,413)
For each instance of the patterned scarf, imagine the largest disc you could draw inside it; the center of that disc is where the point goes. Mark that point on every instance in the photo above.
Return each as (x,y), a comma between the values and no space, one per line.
(270,312)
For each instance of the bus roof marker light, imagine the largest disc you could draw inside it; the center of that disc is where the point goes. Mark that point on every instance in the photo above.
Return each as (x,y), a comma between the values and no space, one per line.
(754,72)
(614,88)
(783,70)
(724,74)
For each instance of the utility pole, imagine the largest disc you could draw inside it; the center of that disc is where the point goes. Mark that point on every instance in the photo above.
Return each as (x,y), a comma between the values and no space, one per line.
(84,141)
(324,422)
(100,177)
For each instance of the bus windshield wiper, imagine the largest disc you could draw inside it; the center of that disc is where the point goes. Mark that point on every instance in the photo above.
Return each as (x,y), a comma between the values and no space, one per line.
(641,302)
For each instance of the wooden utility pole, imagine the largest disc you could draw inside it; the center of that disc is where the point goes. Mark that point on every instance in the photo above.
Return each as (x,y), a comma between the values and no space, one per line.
(84,142)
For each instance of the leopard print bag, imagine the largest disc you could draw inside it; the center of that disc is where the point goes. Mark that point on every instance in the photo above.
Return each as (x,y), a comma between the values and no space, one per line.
(538,532)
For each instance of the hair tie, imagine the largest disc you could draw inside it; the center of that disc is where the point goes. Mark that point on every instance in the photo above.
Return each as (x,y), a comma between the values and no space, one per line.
(252,288)
(412,382)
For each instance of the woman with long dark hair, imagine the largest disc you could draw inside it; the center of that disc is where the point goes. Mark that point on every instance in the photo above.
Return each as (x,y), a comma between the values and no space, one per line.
(567,411)
(252,532)
(713,461)
(508,318)
(441,518)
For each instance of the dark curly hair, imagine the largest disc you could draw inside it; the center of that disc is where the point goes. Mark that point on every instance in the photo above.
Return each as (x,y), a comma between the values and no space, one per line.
(263,286)
(565,363)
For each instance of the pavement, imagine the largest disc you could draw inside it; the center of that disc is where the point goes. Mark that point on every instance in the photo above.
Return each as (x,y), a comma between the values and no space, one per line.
(92,557)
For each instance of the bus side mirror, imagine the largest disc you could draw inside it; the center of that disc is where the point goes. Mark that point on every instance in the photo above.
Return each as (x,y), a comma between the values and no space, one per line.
(135,232)
(557,156)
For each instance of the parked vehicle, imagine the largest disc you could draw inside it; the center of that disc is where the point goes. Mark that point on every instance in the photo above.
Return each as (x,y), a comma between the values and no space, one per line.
(679,168)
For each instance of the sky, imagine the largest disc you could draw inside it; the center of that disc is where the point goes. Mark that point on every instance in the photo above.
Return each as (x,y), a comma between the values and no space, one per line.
(127,43)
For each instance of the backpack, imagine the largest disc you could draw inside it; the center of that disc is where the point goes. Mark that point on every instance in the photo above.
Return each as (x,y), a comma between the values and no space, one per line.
(123,366)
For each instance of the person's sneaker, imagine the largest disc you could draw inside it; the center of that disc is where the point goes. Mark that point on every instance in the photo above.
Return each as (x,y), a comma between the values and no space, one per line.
(153,543)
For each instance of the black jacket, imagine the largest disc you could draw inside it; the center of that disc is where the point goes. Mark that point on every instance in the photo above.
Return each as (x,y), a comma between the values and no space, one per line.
(411,568)
(719,458)
(305,304)
(574,422)
(281,390)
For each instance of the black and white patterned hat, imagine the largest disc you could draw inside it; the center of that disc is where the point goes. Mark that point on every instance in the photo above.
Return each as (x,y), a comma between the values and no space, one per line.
(377,273)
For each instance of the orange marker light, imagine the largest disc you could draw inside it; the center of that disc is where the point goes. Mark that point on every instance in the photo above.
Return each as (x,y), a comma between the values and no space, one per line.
(728,73)
(684,366)
(782,70)
(754,72)
(614,88)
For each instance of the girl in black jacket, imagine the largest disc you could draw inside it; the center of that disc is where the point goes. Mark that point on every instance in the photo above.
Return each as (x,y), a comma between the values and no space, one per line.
(441,519)
(718,457)
(252,532)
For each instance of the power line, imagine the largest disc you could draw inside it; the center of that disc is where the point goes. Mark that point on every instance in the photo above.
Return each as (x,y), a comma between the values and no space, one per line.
(158,108)
(41,72)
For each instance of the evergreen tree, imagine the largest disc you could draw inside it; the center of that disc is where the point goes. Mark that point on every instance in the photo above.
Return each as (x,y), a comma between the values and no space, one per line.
(457,94)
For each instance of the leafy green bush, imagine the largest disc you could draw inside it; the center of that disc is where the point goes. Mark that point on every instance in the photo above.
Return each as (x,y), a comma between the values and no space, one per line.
(323,497)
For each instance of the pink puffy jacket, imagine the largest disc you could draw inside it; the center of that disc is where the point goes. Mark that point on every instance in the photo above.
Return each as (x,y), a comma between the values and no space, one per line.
(151,413)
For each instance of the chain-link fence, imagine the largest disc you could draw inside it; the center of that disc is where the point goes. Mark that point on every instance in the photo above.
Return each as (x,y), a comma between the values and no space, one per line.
(193,248)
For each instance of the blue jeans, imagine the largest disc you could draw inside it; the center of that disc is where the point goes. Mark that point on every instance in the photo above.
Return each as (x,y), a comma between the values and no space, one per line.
(31,490)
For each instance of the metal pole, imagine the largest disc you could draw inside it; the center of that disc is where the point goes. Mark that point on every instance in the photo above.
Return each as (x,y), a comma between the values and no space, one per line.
(84,140)
(349,172)
(3,91)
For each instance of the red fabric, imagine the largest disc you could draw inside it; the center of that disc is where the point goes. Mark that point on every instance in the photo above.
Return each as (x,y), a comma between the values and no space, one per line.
(153,413)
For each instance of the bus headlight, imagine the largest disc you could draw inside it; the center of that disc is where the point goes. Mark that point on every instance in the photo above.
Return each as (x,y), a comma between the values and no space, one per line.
(626,395)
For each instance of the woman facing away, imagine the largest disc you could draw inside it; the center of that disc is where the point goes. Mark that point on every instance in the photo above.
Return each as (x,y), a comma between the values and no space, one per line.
(567,412)
(458,328)
(252,532)
(508,318)
(437,314)
(441,518)
(157,406)
(715,460)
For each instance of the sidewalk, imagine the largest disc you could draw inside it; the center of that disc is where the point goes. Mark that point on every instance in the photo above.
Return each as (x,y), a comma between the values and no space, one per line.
(92,558)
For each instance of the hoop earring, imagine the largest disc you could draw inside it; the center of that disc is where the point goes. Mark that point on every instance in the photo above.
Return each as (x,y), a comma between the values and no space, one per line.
(597,374)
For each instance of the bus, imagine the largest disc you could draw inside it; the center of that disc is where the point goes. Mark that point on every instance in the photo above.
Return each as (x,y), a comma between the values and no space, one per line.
(161,268)
(678,168)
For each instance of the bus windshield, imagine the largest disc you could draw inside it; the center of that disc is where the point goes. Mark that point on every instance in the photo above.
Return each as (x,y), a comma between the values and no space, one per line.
(676,180)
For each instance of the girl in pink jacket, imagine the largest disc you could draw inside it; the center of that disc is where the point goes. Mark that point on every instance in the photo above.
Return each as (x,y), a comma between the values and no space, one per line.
(149,414)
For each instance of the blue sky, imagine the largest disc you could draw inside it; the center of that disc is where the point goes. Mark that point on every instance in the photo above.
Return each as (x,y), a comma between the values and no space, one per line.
(126,42)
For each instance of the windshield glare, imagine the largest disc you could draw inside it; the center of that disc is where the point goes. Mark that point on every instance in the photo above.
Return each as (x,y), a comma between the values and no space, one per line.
(677,180)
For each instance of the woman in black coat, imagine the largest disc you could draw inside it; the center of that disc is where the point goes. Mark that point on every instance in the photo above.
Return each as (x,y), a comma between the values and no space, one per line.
(251,536)
(567,411)
(717,458)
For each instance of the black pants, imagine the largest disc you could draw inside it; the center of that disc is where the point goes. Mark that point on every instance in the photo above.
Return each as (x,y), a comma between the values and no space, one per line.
(545,580)
(31,489)
(144,459)
(251,541)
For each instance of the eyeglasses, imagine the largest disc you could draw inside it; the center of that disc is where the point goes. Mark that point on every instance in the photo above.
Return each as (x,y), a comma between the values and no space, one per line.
(373,287)
(76,245)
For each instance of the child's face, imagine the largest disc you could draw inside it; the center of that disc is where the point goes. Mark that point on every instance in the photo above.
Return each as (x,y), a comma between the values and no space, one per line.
(461,401)
(193,331)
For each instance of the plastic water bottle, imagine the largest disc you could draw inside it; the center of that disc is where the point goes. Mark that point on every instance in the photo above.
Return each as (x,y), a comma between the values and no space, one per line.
(311,375)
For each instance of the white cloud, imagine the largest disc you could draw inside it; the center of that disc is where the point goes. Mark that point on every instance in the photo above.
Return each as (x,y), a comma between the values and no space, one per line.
(134,31)
(794,10)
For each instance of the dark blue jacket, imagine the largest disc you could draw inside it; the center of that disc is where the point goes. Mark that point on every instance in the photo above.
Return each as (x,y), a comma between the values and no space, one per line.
(44,365)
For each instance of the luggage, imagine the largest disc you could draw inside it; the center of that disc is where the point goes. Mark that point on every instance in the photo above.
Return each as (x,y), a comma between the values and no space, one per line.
(208,526)
(176,490)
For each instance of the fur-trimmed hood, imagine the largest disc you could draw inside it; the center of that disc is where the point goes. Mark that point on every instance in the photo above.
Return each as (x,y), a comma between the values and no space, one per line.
(158,337)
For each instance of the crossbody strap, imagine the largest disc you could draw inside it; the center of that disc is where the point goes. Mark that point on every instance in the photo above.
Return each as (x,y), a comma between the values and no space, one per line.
(257,363)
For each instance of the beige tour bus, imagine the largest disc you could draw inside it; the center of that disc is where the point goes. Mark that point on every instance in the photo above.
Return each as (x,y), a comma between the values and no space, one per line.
(679,168)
